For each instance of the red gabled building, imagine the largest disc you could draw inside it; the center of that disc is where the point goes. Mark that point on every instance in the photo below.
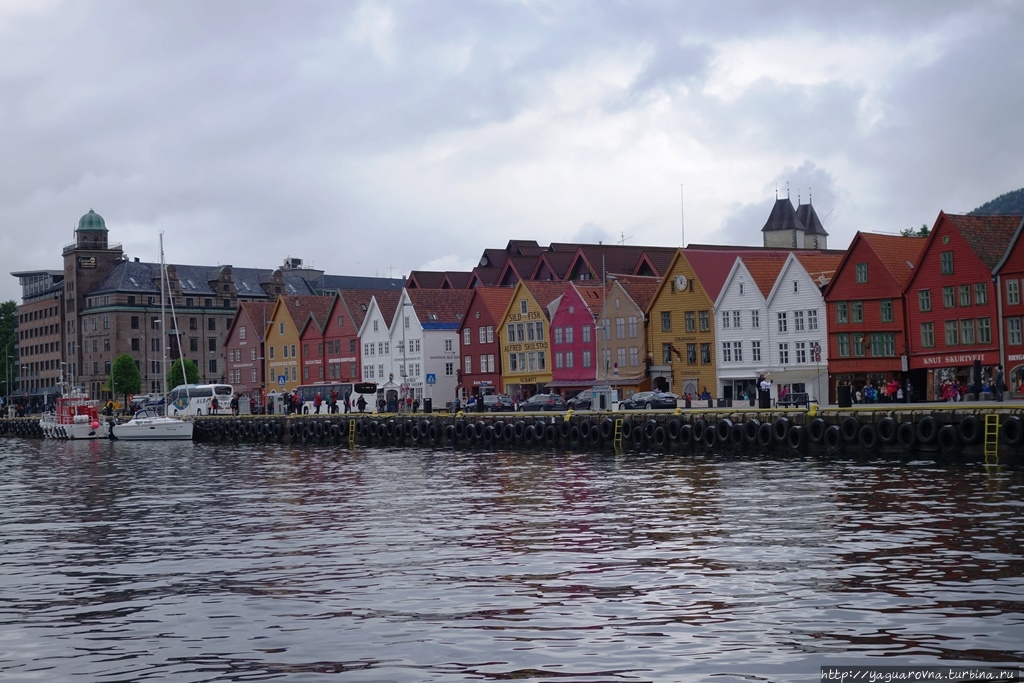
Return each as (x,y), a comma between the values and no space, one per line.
(479,345)
(952,308)
(311,336)
(244,349)
(867,339)
(341,338)
(1009,284)
(574,358)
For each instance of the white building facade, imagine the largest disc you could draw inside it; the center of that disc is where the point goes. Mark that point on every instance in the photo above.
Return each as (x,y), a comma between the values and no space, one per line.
(796,334)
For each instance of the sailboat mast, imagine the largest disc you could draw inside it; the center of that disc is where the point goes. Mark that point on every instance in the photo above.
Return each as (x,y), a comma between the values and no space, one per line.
(163,324)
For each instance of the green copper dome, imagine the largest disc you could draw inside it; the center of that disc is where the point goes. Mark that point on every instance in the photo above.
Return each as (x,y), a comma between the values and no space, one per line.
(92,221)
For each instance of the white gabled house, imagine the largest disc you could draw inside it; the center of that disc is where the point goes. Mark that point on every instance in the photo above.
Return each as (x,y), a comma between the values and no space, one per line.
(424,336)
(741,317)
(796,336)
(375,343)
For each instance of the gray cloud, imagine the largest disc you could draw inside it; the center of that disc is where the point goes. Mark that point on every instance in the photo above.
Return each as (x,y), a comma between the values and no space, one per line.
(380,137)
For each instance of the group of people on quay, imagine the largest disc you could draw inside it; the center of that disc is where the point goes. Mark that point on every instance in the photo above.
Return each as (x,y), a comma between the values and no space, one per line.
(891,392)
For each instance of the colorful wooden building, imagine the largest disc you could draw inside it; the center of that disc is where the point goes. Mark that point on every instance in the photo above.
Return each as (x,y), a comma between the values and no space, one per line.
(867,340)
(480,342)
(525,339)
(952,309)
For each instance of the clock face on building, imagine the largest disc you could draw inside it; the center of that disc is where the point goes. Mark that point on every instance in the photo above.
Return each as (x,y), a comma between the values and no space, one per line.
(681,282)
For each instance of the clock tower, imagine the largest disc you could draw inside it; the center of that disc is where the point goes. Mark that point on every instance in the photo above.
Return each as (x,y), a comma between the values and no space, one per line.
(87,261)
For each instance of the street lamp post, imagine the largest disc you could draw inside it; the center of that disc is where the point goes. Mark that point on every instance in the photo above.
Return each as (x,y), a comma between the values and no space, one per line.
(404,373)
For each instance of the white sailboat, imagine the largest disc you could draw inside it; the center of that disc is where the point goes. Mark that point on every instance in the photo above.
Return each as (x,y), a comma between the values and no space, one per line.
(147,424)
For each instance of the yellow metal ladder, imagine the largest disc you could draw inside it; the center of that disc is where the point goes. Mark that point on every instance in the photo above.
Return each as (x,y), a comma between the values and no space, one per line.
(351,433)
(992,439)
(617,441)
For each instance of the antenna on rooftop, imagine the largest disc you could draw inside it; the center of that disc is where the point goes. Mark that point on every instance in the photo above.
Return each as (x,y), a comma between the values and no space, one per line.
(624,238)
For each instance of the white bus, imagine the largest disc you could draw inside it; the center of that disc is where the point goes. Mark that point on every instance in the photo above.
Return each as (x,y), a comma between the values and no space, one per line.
(308,392)
(197,399)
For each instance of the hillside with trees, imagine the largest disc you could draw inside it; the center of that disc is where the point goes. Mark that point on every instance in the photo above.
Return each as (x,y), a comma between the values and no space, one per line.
(1010,203)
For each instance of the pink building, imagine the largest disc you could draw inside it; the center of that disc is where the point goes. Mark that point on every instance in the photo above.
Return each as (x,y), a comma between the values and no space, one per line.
(574,359)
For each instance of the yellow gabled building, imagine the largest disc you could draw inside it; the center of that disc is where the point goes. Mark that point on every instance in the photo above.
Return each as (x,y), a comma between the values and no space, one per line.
(682,329)
(525,331)
(283,344)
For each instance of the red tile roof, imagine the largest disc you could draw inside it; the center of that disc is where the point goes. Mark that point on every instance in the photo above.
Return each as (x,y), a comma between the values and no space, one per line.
(494,299)
(898,254)
(987,236)
(357,301)
(764,270)
(821,267)
(440,305)
(544,292)
(640,289)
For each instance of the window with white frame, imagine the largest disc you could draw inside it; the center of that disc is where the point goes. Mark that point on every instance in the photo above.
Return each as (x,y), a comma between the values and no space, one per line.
(784,353)
(783,322)
(755,351)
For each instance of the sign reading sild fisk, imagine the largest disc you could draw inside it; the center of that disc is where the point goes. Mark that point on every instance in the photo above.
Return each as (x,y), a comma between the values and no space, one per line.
(86,261)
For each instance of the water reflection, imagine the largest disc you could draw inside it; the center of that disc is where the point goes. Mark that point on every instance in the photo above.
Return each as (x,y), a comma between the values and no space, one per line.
(192,562)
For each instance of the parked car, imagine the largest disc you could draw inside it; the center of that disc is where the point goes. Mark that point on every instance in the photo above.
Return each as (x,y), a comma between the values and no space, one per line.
(498,403)
(581,401)
(543,402)
(649,400)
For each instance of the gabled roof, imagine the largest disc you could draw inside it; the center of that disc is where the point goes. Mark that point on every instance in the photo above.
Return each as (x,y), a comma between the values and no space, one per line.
(639,288)
(555,262)
(544,292)
(320,315)
(302,308)
(591,295)
(712,263)
(987,236)
(256,312)
(494,299)
(517,268)
(764,270)
(821,267)
(425,279)
(357,303)
(458,279)
(783,217)
(1013,241)
(899,255)
(484,277)
(440,308)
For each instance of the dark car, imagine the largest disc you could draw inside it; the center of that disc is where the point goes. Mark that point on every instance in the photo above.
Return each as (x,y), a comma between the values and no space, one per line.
(649,400)
(498,403)
(543,402)
(581,401)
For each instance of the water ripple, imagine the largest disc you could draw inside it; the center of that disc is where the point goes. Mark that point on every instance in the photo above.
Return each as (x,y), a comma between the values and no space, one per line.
(191,562)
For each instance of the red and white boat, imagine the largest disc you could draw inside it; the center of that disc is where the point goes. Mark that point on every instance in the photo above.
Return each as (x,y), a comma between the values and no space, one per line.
(75,416)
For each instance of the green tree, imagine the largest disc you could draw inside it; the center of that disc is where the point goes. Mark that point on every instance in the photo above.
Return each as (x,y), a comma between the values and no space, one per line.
(916,232)
(125,376)
(176,376)
(8,315)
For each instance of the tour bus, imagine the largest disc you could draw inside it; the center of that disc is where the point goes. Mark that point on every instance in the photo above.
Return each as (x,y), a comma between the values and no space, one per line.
(197,399)
(308,392)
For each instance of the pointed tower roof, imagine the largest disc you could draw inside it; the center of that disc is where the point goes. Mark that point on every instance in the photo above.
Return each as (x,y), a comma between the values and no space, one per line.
(783,217)
(806,214)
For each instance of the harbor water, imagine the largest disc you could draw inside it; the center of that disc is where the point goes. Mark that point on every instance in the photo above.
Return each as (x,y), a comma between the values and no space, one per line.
(210,562)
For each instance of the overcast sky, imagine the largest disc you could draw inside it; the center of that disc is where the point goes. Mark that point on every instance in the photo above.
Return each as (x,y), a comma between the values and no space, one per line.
(375,138)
